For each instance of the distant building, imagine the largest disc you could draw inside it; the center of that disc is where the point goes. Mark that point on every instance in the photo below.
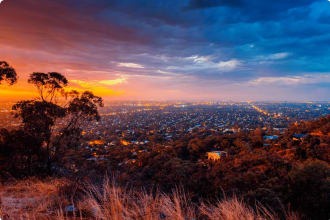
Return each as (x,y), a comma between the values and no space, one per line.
(231,130)
(272,137)
(96,142)
(124,142)
(316,134)
(297,137)
(215,155)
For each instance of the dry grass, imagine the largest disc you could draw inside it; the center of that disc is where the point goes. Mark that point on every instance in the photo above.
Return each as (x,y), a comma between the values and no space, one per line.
(31,198)
(235,209)
(50,199)
(112,202)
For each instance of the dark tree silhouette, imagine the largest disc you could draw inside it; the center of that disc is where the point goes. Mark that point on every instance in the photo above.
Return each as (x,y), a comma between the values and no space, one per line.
(49,85)
(81,108)
(40,117)
(85,106)
(20,153)
(7,73)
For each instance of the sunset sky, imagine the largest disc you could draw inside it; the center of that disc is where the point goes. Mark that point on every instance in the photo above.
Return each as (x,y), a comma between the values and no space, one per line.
(172,49)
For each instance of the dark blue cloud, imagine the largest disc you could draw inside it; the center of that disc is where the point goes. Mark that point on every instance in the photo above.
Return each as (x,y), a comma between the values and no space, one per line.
(200,4)
(252,9)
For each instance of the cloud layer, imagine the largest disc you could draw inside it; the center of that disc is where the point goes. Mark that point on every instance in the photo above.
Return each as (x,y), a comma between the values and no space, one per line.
(217,49)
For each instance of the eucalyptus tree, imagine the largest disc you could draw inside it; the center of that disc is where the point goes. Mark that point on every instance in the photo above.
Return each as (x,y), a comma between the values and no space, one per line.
(56,115)
(7,73)
(49,85)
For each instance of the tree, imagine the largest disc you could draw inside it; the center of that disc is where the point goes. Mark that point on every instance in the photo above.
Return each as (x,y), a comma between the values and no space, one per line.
(49,85)
(56,123)
(38,117)
(81,108)
(7,73)
(20,153)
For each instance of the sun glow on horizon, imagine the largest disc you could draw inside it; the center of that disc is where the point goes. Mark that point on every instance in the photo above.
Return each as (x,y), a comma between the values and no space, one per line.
(22,90)
(17,91)
(98,87)
(97,90)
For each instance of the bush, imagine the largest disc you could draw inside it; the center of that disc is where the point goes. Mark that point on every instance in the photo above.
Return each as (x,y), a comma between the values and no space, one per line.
(309,189)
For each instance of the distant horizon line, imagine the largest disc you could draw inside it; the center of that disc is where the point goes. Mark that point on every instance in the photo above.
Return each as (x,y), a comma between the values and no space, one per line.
(196,100)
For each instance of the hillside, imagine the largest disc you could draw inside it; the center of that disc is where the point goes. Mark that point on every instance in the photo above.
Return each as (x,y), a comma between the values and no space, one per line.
(289,171)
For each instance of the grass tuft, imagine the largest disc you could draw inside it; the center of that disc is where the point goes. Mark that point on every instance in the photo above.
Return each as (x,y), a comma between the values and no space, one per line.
(34,199)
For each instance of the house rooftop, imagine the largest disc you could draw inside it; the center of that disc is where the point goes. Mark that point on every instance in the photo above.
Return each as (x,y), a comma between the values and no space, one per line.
(299,135)
(271,137)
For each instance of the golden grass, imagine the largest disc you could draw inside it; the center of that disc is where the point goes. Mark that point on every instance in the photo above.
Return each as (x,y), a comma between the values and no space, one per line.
(50,199)
(30,198)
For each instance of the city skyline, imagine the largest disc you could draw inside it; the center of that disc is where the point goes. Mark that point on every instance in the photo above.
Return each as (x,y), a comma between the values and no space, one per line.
(168,50)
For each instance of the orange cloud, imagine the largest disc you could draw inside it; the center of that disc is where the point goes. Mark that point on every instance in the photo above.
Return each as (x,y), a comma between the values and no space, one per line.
(113,82)
(87,84)
(131,65)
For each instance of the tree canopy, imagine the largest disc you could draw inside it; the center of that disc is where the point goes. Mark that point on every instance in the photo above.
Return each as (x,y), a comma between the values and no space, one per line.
(7,73)
(49,85)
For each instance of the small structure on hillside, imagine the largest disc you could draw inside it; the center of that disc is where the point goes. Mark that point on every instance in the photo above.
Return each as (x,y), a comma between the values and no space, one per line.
(216,155)
(297,137)
(271,137)
(96,142)
(124,142)
(316,133)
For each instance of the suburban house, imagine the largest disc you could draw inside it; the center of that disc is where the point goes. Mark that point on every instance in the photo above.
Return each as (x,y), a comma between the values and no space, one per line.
(124,142)
(215,155)
(297,137)
(96,142)
(271,137)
